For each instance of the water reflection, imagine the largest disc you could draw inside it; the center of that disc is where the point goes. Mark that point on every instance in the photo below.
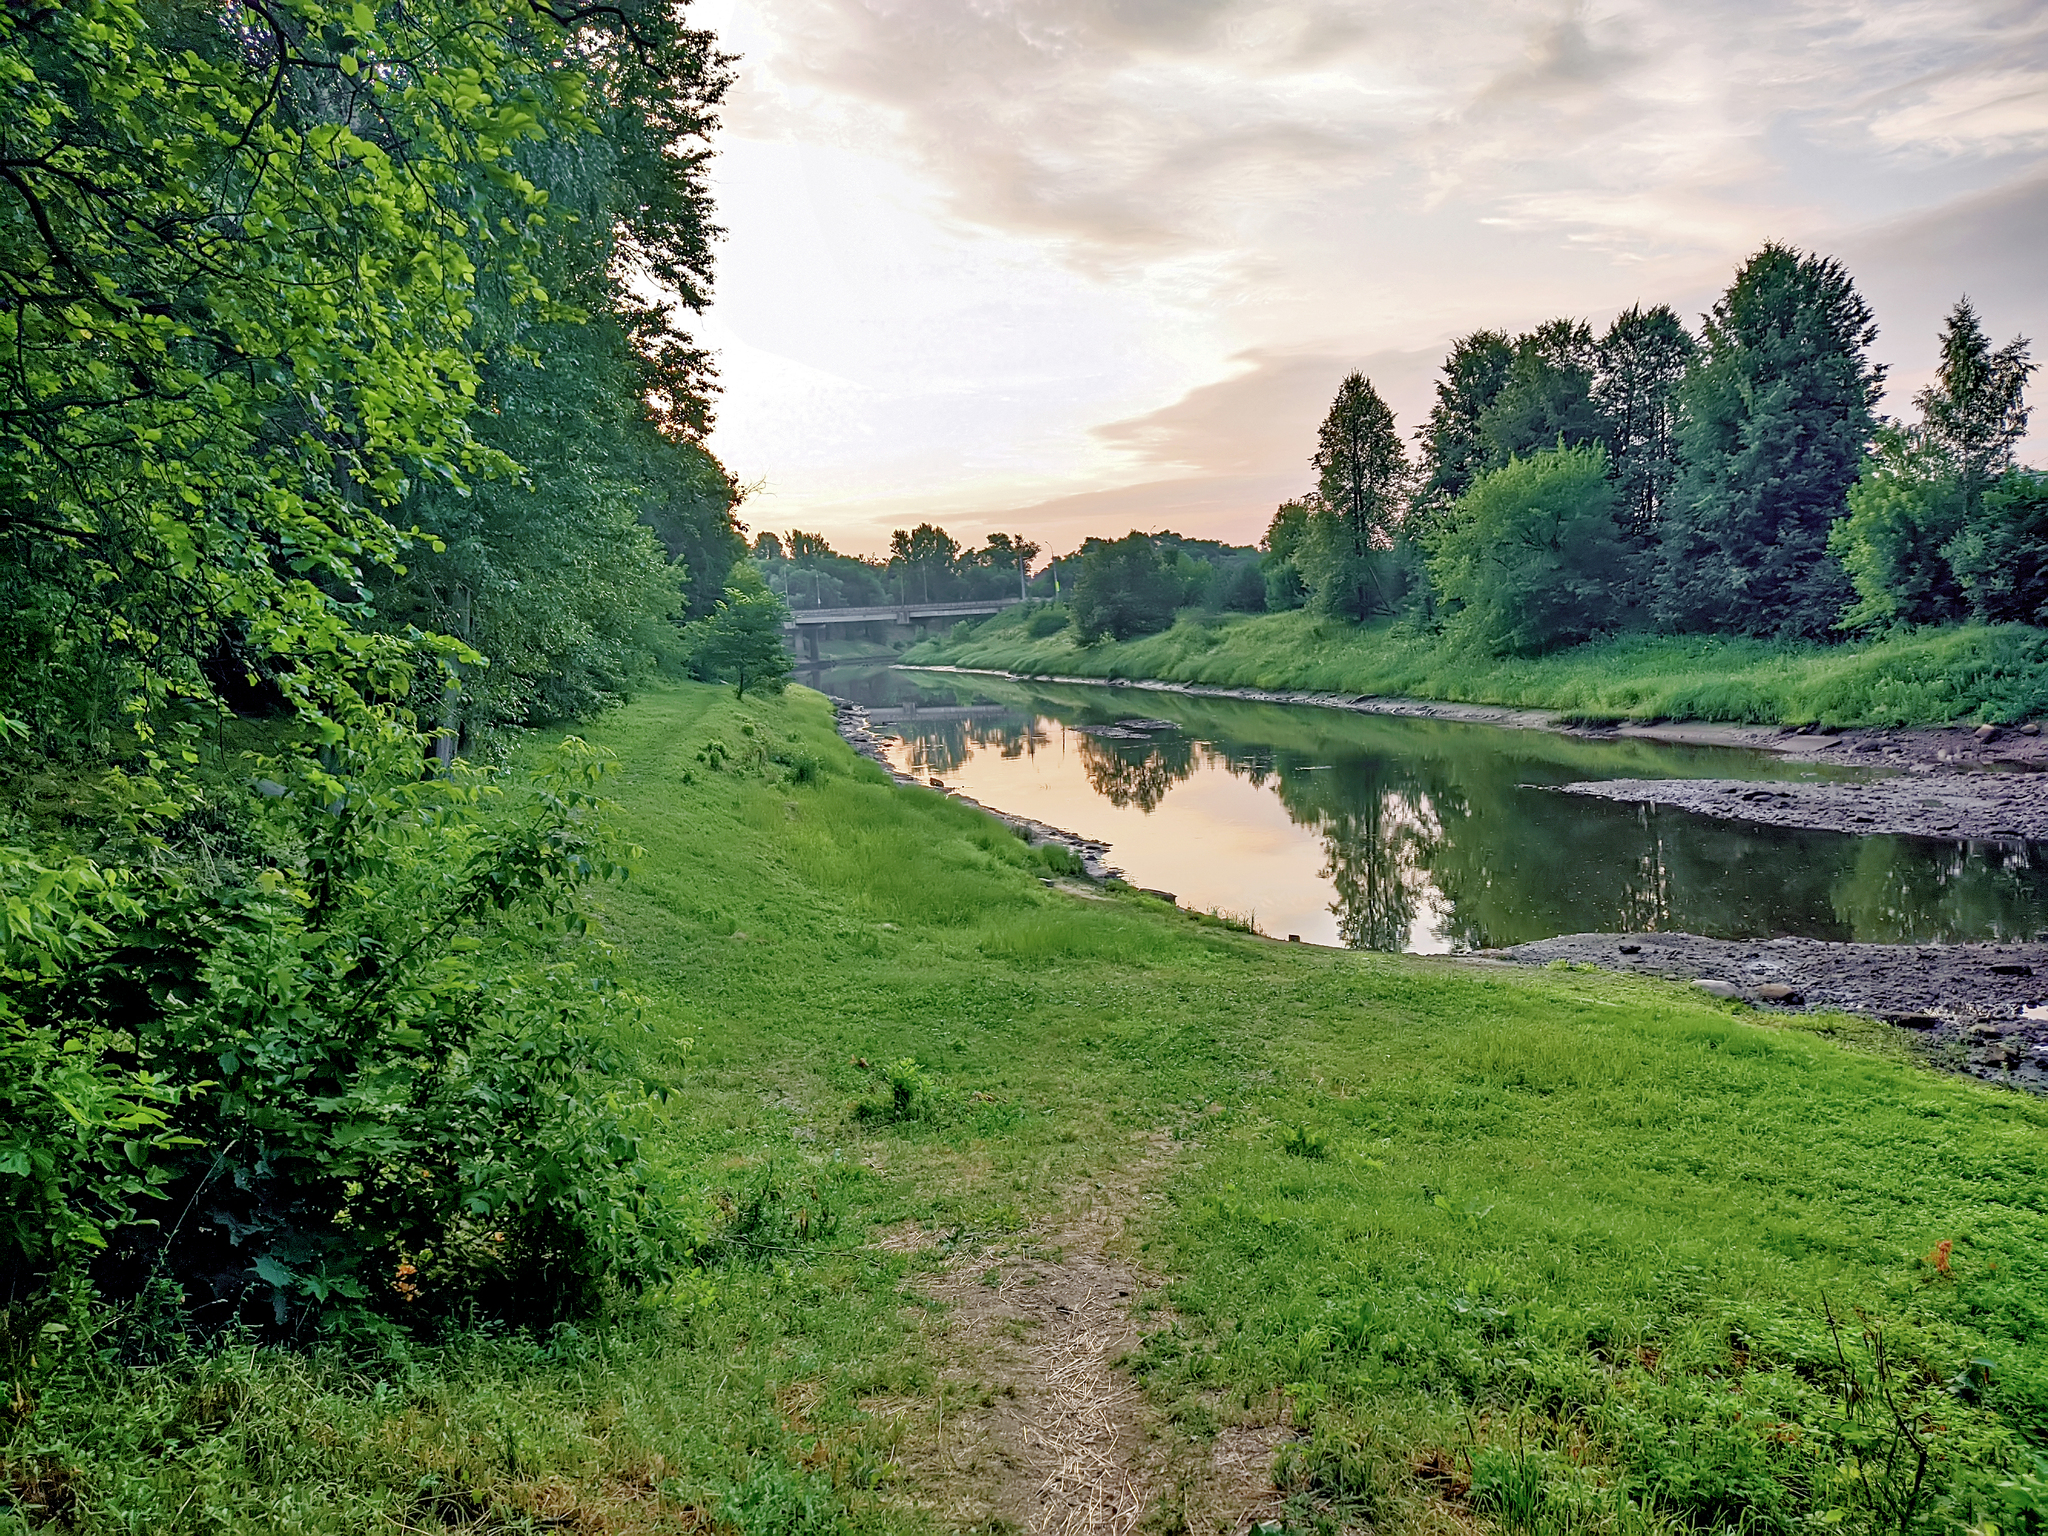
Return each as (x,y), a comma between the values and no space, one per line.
(1415,834)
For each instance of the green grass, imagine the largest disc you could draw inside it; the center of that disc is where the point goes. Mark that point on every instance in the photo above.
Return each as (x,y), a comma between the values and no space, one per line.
(1973,673)
(1543,1248)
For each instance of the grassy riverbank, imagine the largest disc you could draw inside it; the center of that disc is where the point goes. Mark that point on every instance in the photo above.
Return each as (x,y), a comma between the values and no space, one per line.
(1933,678)
(1550,1247)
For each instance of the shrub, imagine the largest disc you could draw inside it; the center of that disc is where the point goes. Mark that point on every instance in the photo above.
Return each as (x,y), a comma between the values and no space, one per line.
(1046,621)
(1532,554)
(2001,557)
(350,1087)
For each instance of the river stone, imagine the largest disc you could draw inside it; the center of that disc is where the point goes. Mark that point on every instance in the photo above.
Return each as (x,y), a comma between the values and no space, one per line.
(1987,733)
(1778,992)
(1721,989)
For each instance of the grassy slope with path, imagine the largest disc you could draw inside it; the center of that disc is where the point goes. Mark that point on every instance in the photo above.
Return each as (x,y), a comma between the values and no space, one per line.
(1930,678)
(1547,1243)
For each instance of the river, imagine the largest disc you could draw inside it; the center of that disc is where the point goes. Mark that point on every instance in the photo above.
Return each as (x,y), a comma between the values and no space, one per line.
(1379,832)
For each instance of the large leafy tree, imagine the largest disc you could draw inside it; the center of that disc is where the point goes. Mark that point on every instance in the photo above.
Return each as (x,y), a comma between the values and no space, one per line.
(1546,397)
(1640,362)
(921,559)
(1533,558)
(1126,587)
(1346,556)
(1777,414)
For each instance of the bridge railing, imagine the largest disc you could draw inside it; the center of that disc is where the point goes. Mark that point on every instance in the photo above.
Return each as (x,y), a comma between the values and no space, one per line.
(899,613)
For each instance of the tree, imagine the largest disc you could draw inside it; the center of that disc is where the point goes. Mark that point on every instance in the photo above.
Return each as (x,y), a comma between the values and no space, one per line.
(1975,411)
(1776,414)
(1126,587)
(1284,534)
(1533,554)
(1361,477)
(1903,511)
(741,642)
(1641,360)
(1454,453)
(920,554)
(1547,395)
(2001,556)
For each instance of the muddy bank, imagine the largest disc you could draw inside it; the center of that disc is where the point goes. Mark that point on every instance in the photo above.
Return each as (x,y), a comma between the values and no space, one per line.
(1970,1003)
(2020,746)
(854,729)
(1987,807)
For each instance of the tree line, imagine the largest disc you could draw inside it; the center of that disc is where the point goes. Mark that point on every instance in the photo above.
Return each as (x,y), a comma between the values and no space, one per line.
(1740,480)
(348,416)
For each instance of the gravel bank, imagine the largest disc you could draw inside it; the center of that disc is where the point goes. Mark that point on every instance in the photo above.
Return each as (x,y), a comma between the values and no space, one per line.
(1994,807)
(1969,1002)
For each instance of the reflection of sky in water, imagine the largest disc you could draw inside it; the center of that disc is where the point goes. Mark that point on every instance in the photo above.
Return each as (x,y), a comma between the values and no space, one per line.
(1430,837)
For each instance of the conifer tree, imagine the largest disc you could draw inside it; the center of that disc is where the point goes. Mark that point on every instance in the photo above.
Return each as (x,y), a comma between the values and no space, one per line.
(1642,361)
(1362,475)
(1975,411)
(1776,415)
(1454,454)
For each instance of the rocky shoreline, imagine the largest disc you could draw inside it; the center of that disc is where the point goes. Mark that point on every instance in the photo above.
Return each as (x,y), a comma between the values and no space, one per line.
(1975,807)
(854,728)
(1981,1008)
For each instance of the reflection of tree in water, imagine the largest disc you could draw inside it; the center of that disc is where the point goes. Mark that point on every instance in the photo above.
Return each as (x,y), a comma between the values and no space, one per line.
(1379,831)
(1136,772)
(938,747)
(1903,891)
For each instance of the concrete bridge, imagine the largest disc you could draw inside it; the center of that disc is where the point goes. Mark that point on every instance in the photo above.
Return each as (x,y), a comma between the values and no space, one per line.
(898,613)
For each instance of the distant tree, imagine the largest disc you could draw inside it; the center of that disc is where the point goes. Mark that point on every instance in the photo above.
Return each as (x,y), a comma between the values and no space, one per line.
(2001,556)
(1640,362)
(741,642)
(1361,484)
(1776,414)
(810,546)
(1454,453)
(1284,534)
(1975,411)
(768,547)
(921,554)
(1001,567)
(1532,553)
(1547,396)
(1125,587)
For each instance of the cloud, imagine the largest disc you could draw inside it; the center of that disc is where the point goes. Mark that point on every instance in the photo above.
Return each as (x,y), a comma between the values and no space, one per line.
(1209,210)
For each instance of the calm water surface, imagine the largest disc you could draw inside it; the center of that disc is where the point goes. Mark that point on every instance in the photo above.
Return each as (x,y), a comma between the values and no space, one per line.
(1423,835)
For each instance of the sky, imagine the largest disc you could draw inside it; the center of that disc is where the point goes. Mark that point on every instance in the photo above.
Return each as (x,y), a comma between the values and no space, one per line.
(1073,267)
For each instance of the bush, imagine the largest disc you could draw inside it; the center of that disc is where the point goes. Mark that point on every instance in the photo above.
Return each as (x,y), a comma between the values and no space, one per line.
(1532,554)
(345,1087)
(2001,558)
(1049,620)
(1902,512)
(1126,588)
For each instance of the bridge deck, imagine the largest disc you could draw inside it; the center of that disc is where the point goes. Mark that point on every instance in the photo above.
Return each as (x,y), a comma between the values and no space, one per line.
(899,613)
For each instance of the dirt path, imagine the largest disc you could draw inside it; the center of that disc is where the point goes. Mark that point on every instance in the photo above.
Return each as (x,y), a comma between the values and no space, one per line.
(1041,1427)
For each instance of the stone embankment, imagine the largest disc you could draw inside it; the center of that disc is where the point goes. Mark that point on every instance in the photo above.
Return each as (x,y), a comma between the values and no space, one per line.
(855,729)
(1984,1007)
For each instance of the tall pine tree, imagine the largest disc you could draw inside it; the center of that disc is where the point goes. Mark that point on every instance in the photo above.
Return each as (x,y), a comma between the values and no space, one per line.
(1361,482)
(1642,361)
(1454,454)
(1776,416)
